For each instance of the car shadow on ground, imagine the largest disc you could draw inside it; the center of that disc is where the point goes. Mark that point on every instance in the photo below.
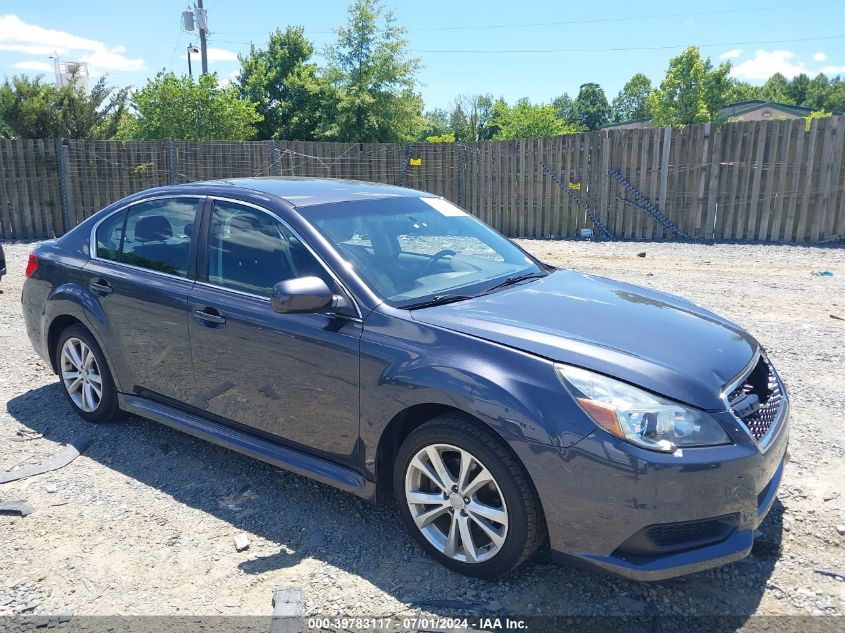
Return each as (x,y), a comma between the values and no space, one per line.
(310,520)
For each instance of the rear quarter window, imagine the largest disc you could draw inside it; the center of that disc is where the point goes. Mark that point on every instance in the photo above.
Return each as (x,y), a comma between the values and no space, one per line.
(110,236)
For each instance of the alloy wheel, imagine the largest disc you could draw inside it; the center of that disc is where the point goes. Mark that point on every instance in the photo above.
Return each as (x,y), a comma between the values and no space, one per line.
(456,503)
(81,375)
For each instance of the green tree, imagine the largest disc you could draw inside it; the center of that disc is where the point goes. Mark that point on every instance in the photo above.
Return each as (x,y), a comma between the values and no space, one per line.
(30,108)
(527,120)
(498,113)
(177,107)
(564,106)
(631,104)
(375,78)
(693,90)
(97,114)
(435,123)
(742,91)
(817,92)
(471,117)
(826,94)
(591,106)
(835,96)
(288,90)
(797,89)
(776,88)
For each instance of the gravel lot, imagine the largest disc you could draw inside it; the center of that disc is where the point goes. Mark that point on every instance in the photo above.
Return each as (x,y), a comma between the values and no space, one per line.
(144,521)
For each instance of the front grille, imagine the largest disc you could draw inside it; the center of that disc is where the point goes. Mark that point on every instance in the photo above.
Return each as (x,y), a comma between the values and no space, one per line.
(670,534)
(758,399)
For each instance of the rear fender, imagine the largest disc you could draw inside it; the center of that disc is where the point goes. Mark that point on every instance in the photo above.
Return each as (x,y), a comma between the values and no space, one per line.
(71,299)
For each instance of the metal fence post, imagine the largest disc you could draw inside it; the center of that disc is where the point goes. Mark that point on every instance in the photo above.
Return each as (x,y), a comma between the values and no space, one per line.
(404,175)
(171,162)
(275,159)
(461,176)
(64,198)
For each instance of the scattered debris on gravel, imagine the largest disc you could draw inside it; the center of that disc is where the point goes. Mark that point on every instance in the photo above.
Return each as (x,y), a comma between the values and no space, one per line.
(21,508)
(241,542)
(143,521)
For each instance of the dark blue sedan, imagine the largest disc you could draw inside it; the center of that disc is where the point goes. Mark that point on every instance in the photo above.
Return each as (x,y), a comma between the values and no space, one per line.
(383,341)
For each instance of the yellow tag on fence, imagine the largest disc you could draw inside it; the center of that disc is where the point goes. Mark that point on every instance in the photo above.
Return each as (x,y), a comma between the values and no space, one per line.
(575,186)
(415,162)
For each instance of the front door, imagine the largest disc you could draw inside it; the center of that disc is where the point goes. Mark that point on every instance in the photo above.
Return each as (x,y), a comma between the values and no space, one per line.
(140,278)
(293,377)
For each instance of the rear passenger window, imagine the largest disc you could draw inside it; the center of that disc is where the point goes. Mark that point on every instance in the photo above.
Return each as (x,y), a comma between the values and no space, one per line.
(155,235)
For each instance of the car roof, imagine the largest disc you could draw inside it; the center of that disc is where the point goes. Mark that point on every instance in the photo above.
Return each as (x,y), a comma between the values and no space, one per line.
(306,192)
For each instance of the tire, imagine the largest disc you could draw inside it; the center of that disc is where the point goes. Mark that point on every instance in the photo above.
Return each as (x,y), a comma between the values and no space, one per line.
(512,527)
(80,387)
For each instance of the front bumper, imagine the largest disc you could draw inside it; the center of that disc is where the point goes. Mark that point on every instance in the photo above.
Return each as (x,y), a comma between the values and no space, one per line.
(735,546)
(602,495)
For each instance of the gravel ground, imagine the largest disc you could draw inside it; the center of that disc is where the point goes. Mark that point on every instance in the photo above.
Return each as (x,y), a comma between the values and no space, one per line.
(144,521)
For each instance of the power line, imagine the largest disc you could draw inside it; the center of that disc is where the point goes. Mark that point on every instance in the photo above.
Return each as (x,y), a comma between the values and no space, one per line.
(623,49)
(619,49)
(597,20)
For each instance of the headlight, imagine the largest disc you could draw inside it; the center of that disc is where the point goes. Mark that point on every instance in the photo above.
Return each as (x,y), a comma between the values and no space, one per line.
(637,416)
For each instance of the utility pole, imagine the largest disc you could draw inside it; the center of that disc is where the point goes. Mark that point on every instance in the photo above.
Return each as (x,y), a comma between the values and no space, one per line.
(202,23)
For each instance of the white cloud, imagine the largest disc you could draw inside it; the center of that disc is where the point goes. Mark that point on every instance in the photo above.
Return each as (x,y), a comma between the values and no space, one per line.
(221,55)
(32,64)
(227,80)
(764,64)
(22,37)
(832,70)
(732,54)
(820,57)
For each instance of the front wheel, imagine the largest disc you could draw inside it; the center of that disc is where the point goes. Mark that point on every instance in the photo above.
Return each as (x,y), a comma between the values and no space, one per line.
(465,498)
(85,377)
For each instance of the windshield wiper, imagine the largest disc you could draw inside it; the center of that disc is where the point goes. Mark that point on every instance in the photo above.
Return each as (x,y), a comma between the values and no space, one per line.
(515,279)
(437,300)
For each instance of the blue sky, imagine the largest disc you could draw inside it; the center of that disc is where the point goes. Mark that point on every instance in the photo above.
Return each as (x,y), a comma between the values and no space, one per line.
(489,46)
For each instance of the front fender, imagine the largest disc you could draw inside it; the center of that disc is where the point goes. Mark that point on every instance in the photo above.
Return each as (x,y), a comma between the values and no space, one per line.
(518,395)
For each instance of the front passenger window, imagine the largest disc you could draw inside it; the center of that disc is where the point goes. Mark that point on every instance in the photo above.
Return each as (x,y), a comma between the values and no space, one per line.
(251,251)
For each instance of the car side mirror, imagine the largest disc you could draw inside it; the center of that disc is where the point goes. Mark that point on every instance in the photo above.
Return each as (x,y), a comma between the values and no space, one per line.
(302,294)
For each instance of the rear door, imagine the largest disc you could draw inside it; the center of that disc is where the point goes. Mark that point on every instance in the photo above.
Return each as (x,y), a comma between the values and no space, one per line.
(293,377)
(139,278)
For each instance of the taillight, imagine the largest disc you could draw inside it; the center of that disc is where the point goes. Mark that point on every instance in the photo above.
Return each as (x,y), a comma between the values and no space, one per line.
(32,264)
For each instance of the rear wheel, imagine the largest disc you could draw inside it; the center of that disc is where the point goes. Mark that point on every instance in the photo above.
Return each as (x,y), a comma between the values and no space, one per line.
(84,375)
(465,498)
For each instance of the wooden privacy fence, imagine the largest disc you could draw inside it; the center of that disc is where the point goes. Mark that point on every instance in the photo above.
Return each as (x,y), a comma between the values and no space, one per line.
(761,181)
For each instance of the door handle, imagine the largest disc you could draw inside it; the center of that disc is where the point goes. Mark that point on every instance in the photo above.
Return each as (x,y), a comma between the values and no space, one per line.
(209,317)
(100,286)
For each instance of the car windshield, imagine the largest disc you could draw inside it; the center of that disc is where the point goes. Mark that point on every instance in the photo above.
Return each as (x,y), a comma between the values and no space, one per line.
(413,250)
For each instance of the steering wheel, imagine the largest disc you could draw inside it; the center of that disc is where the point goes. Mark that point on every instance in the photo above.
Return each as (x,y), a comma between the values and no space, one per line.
(428,268)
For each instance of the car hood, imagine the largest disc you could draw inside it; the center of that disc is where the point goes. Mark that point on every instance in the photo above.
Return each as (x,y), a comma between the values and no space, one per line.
(662,343)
